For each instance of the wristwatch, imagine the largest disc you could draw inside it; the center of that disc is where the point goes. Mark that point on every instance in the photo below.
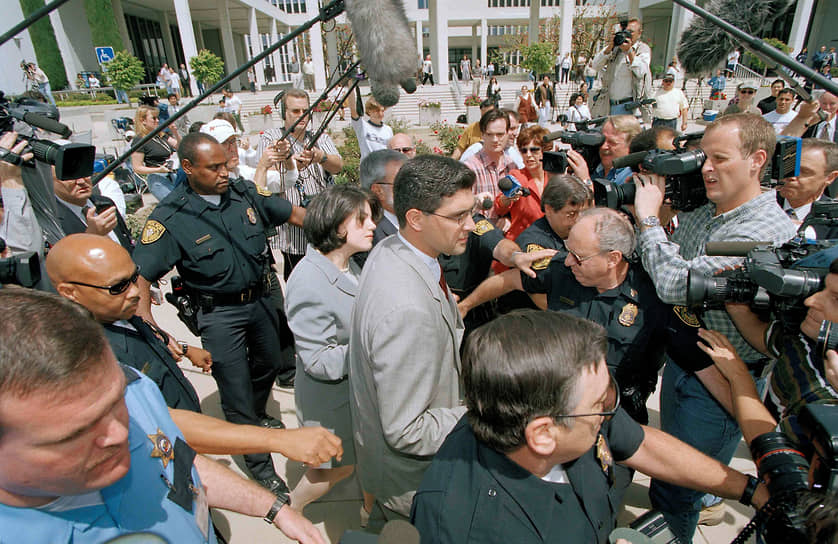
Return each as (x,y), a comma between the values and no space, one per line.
(650,221)
(325,158)
(281,500)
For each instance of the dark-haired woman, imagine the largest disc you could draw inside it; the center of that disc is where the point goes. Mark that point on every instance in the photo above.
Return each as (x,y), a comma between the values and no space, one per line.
(321,291)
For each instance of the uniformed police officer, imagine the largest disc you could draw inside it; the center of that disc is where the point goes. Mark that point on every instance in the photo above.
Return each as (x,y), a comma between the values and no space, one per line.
(595,281)
(213,231)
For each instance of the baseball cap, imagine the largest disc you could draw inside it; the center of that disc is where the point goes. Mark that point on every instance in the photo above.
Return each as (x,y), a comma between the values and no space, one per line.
(746,85)
(669,77)
(219,129)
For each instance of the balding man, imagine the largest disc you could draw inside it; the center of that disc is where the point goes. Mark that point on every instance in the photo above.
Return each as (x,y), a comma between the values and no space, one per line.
(88,451)
(98,274)
(402,143)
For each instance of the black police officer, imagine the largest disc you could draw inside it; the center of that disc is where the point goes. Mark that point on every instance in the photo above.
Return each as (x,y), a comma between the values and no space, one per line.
(213,231)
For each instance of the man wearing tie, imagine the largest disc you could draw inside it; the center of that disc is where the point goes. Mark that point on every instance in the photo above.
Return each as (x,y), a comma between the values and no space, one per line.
(818,169)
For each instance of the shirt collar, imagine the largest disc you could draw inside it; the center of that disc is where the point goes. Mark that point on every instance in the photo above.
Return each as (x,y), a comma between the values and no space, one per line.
(391,217)
(430,262)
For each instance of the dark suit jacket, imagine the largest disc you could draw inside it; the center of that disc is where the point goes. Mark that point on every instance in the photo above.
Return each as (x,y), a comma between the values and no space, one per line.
(823,232)
(71,224)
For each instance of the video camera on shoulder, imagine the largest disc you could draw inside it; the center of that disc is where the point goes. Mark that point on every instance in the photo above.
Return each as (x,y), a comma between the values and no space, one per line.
(71,161)
(23,269)
(586,142)
(622,36)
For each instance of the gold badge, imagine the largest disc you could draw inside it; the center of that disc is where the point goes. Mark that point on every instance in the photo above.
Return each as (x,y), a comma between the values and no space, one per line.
(687,317)
(152,231)
(482,227)
(162,447)
(251,215)
(263,191)
(540,264)
(627,315)
(603,453)
(565,300)
(633,292)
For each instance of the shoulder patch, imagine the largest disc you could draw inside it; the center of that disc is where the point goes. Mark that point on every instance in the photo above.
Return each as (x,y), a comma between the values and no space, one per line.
(482,227)
(687,317)
(263,191)
(540,264)
(152,231)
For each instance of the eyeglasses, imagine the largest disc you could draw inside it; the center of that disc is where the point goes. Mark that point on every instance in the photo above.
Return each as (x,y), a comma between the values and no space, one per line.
(404,150)
(581,260)
(460,218)
(612,395)
(533,150)
(116,289)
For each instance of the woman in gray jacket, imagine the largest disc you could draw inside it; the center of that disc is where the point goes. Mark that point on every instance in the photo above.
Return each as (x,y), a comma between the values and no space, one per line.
(321,291)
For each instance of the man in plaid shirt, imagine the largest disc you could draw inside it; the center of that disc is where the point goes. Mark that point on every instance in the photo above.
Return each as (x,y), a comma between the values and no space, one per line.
(738,147)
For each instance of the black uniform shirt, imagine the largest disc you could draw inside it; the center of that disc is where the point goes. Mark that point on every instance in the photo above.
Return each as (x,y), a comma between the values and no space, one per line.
(217,249)
(539,235)
(465,272)
(632,314)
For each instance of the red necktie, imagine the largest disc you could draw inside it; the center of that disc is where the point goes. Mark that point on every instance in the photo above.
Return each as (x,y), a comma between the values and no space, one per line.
(442,283)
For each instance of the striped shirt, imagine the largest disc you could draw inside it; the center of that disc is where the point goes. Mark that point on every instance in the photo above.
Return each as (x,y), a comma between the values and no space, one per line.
(668,262)
(310,181)
(488,174)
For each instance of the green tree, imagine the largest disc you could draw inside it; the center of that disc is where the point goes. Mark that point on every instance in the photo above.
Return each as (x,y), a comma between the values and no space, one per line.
(207,67)
(125,70)
(538,57)
(46,47)
(756,63)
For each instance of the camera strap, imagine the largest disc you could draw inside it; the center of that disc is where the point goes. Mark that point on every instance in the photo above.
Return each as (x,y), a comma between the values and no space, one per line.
(6,155)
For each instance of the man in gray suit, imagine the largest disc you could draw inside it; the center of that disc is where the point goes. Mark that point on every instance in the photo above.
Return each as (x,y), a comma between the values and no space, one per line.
(404,343)
(377,172)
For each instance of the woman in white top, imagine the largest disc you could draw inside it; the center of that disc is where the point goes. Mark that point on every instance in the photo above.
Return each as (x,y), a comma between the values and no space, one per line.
(578,111)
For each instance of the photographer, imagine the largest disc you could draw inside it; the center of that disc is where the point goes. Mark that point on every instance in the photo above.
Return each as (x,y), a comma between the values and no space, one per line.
(19,227)
(37,76)
(627,76)
(618,130)
(737,149)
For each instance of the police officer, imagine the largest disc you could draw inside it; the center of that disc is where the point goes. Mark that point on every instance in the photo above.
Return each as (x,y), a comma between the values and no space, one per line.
(595,281)
(213,231)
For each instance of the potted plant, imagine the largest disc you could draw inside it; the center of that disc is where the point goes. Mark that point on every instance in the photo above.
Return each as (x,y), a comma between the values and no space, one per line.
(207,68)
(429,112)
(472,103)
(261,120)
(320,111)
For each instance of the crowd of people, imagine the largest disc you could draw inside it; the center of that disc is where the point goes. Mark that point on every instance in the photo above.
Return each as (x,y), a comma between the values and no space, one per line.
(471,335)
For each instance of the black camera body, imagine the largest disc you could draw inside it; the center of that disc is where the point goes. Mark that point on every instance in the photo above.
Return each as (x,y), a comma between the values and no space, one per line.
(23,269)
(681,167)
(621,37)
(585,142)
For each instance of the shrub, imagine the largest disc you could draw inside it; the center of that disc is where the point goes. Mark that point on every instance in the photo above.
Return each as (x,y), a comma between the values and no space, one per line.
(350,152)
(448,135)
(46,47)
(207,67)
(125,70)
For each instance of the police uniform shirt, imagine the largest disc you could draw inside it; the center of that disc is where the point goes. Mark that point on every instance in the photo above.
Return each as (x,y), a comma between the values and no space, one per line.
(142,500)
(217,249)
(464,272)
(540,236)
(633,315)
(472,493)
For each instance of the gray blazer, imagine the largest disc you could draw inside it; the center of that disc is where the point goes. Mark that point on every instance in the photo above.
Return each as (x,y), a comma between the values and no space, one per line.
(319,304)
(403,372)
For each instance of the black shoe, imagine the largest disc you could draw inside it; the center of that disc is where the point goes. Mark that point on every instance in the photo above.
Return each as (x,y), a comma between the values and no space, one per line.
(274,484)
(286,381)
(271,423)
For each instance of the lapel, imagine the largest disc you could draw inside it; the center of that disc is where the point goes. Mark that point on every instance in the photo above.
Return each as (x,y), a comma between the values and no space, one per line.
(69,222)
(332,274)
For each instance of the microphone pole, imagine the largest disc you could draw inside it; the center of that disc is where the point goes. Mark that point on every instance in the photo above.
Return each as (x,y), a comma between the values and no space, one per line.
(765,52)
(327,13)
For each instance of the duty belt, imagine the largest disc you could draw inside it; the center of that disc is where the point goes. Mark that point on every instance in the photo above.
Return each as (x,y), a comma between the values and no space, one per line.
(208,301)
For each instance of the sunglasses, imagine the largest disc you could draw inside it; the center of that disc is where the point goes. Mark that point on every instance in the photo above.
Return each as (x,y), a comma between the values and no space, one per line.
(533,150)
(116,289)
(746,91)
(403,149)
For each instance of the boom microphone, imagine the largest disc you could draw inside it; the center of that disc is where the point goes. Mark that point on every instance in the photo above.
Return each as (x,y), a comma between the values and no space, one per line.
(381,31)
(634,104)
(732,249)
(704,45)
(632,159)
(43,122)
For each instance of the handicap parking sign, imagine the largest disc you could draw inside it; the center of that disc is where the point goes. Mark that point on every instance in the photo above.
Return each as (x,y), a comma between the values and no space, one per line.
(104,54)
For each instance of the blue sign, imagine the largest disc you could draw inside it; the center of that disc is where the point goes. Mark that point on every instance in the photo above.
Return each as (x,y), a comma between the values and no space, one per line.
(104,54)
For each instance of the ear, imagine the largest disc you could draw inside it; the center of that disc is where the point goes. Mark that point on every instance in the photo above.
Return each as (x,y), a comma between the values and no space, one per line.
(187,166)
(68,291)
(540,437)
(414,219)
(831,177)
(758,159)
(614,257)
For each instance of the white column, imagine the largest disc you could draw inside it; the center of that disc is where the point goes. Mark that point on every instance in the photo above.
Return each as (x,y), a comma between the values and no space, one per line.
(437,14)
(72,63)
(316,48)
(230,60)
(484,43)
(566,27)
(332,54)
(119,15)
(681,19)
(187,37)
(199,35)
(255,49)
(276,57)
(800,25)
(168,45)
(532,37)
(419,40)
(634,8)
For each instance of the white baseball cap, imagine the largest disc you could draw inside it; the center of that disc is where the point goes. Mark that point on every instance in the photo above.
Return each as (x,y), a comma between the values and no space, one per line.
(220,129)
